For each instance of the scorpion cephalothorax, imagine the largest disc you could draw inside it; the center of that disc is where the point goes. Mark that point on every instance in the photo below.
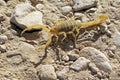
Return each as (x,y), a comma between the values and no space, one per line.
(64,27)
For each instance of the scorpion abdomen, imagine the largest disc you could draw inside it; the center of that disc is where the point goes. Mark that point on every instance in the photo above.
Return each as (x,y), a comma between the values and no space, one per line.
(67,25)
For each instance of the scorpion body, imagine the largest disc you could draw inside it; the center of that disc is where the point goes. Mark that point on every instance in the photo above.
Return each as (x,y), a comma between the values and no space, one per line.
(64,27)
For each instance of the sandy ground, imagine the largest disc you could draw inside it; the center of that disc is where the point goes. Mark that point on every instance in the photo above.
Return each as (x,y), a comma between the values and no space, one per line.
(19,59)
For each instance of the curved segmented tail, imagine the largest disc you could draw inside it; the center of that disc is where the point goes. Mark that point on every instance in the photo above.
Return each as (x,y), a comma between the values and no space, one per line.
(102,18)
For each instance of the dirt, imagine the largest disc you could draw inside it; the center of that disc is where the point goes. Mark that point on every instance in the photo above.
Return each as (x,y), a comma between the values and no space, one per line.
(21,59)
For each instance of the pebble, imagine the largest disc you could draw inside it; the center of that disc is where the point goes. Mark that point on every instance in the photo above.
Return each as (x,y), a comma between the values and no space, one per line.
(2,48)
(2,18)
(83,4)
(63,73)
(73,55)
(92,10)
(93,68)
(40,7)
(84,19)
(9,35)
(66,9)
(3,39)
(47,72)
(116,37)
(80,64)
(97,57)
(78,15)
(99,75)
(111,54)
(25,15)
(65,58)
(2,3)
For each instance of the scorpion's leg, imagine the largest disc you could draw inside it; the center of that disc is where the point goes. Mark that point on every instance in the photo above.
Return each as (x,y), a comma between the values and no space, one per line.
(56,38)
(47,44)
(77,30)
(64,34)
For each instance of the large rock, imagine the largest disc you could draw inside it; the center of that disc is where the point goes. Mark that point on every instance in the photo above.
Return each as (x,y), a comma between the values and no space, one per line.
(83,4)
(25,15)
(97,57)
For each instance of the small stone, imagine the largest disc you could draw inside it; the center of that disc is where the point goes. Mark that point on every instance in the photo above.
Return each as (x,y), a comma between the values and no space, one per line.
(9,35)
(2,3)
(93,68)
(2,48)
(84,19)
(47,72)
(111,54)
(78,15)
(80,64)
(40,6)
(2,17)
(99,75)
(65,58)
(25,15)
(73,55)
(92,10)
(83,4)
(97,57)
(62,74)
(113,47)
(66,9)
(3,39)
(117,2)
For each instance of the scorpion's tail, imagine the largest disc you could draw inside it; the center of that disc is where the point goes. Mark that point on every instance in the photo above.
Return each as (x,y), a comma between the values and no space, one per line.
(102,18)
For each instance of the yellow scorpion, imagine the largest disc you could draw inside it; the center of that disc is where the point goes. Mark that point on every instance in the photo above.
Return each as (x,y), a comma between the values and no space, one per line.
(65,27)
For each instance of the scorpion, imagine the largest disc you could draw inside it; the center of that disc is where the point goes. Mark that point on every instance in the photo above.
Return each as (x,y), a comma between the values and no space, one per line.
(64,27)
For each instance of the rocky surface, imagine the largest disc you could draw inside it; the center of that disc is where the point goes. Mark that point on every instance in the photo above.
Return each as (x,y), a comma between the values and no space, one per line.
(96,55)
